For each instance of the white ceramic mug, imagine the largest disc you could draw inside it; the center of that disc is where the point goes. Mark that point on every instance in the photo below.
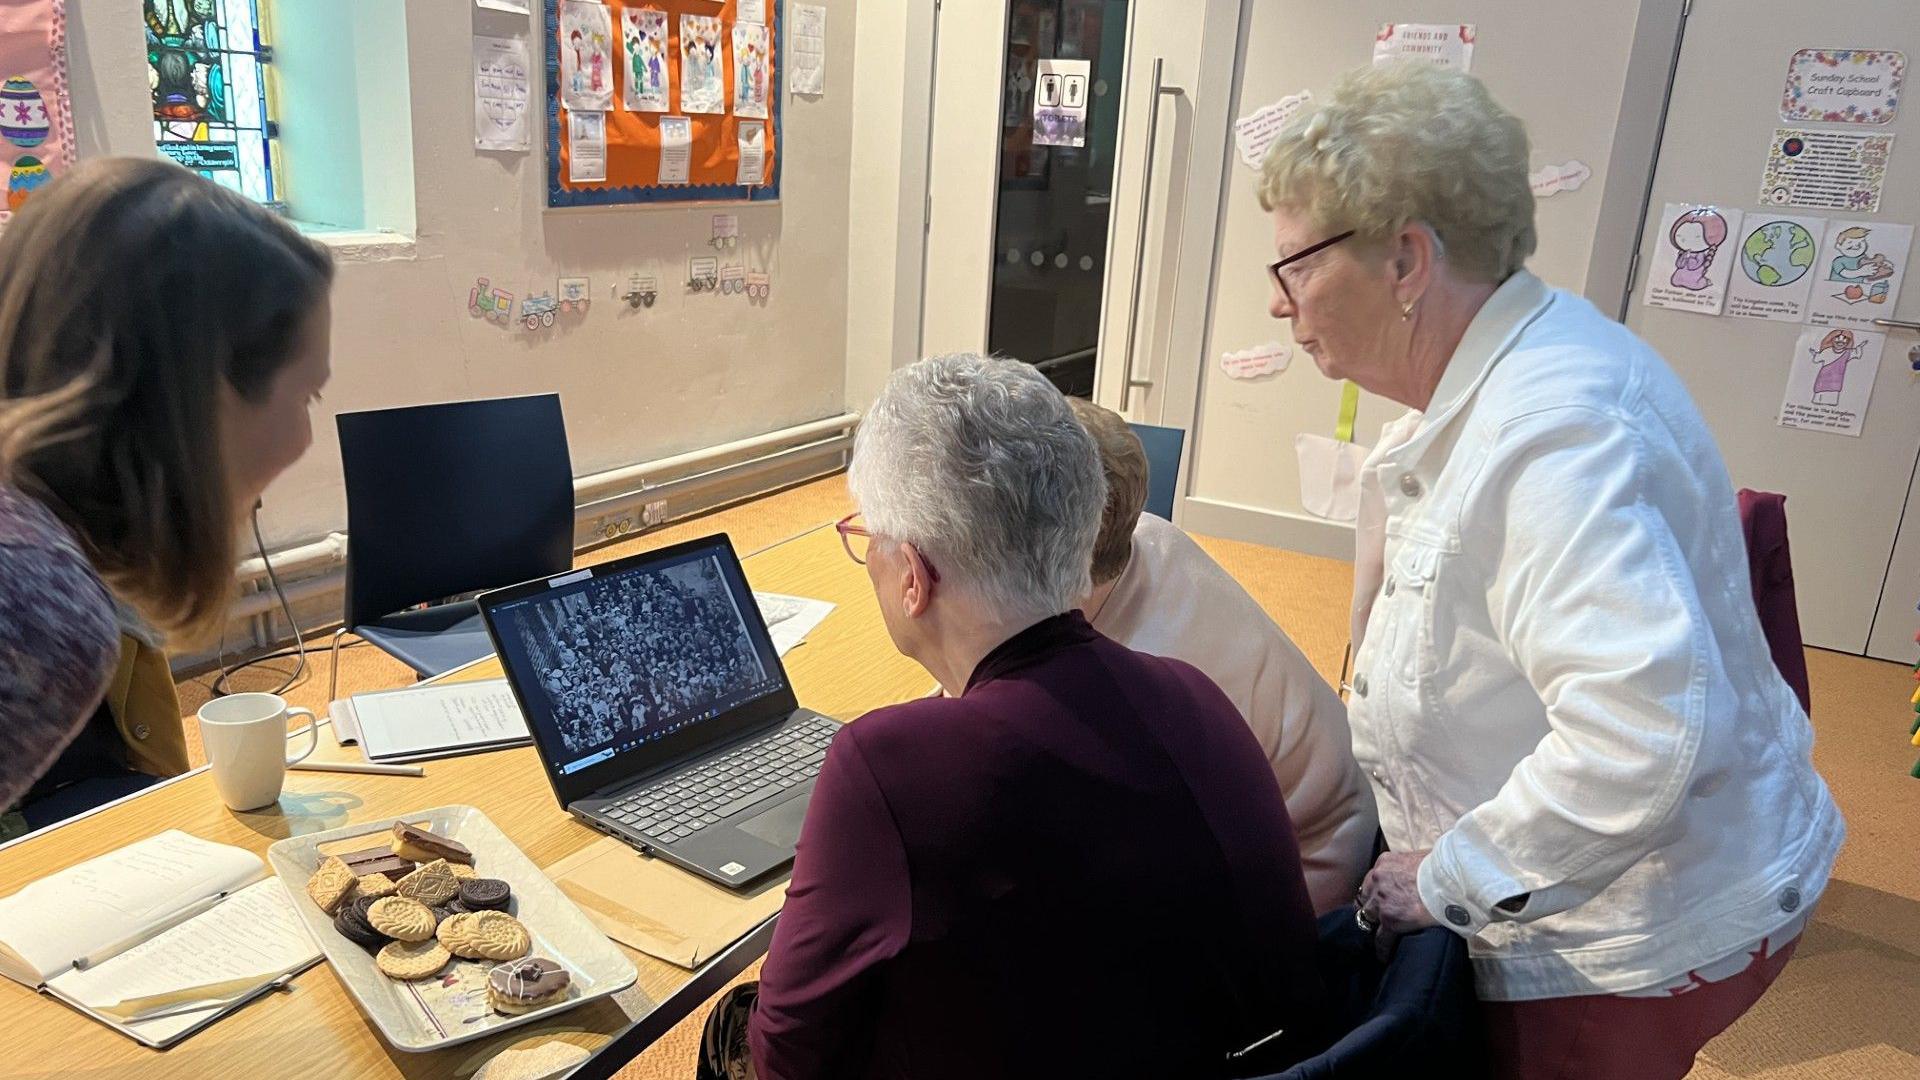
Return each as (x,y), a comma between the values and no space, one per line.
(245,736)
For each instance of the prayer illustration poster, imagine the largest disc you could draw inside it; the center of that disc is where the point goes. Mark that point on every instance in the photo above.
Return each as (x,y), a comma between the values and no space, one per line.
(36,121)
(586,56)
(1692,259)
(750,74)
(643,39)
(1774,267)
(702,89)
(1444,44)
(1825,170)
(1831,380)
(1858,275)
(1843,86)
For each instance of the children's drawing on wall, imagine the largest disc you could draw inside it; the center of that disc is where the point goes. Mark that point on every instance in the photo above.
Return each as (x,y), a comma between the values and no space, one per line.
(643,34)
(1860,270)
(701,88)
(1776,260)
(1831,380)
(586,62)
(1690,270)
(750,64)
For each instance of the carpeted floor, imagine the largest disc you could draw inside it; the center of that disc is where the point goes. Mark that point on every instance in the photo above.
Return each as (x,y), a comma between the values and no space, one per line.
(1845,1007)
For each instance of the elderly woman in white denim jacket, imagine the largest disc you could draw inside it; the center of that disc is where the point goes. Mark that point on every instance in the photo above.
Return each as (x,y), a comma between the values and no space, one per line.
(1584,758)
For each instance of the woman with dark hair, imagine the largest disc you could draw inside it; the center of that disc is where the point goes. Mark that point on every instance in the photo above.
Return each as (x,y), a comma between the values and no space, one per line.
(161,339)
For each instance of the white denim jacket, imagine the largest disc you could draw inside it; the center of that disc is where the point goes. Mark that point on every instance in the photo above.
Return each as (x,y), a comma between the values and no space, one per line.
(1561,686)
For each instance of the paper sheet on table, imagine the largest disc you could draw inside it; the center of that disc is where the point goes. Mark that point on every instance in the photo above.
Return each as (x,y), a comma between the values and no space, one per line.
(790,618)
(440,719)
(500,98)
(658,908)
(254,932)
(1329,476)
(807,56)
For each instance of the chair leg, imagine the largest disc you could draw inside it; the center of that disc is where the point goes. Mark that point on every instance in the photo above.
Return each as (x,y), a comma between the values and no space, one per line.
(333,668)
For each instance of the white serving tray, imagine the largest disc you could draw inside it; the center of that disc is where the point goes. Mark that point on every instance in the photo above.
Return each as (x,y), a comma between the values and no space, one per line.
(443,1011)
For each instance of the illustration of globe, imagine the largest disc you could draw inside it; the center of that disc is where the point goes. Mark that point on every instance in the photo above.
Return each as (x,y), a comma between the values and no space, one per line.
(1777,253)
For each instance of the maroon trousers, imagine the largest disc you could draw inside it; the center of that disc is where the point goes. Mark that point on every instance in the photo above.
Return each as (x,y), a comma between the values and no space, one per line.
(1606,1037)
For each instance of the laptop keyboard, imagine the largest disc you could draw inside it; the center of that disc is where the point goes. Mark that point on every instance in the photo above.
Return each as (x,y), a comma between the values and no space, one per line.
(685,803)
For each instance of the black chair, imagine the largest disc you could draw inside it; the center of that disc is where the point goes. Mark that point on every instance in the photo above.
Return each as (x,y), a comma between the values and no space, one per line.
(1415,1015)
(1162,445)
(444,500)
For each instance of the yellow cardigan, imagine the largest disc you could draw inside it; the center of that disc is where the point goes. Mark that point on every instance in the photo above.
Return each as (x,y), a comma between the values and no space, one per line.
(146,709)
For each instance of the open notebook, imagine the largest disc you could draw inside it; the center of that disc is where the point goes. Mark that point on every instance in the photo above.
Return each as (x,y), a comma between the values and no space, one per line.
(174,931)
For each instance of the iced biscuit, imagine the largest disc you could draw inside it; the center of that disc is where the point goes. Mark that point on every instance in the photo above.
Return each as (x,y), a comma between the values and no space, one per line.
(522,986)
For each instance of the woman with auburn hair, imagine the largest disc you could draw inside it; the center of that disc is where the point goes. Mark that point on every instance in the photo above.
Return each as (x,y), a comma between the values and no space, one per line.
(161,340)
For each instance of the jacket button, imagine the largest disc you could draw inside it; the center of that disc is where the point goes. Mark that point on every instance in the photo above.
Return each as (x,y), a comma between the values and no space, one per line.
(1789,899)
(1457,915)
(141,731)
(1389,588)
(1360,685)
(1410,486)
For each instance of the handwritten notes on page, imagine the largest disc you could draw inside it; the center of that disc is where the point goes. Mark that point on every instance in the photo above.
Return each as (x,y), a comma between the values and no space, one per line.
(445,718)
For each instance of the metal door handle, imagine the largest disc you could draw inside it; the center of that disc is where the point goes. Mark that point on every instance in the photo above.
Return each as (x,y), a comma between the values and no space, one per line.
(1897,324)
(1160,90)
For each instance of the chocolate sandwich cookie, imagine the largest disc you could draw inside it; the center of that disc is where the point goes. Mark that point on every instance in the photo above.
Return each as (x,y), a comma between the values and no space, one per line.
(521,986)
(377,860)
(351,921)
(413,842)
(484,894)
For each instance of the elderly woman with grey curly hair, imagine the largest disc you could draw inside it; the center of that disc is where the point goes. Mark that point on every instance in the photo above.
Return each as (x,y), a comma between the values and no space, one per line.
(1077,864)
(1585,760)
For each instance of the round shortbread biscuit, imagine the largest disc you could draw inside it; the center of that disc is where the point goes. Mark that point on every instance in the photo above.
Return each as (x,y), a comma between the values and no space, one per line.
(411,960)
(485,935)
(431,884)
(401,918)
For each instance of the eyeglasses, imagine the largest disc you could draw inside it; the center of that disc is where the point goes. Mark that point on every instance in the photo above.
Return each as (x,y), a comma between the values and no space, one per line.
(855,539)
(1273,269)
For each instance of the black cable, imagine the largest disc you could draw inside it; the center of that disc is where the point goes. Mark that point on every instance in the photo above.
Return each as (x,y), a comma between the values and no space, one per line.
(286,607)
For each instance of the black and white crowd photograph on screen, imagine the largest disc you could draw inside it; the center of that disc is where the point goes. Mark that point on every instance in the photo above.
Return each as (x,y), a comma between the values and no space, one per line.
(647,648)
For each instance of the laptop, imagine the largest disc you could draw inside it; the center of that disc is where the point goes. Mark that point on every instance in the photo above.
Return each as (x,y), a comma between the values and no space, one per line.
(660,709)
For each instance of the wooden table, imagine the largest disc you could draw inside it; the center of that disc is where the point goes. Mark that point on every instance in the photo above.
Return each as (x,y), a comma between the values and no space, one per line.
(846,667)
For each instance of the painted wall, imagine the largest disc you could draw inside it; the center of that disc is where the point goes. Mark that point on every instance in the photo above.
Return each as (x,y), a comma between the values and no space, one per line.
(693,371)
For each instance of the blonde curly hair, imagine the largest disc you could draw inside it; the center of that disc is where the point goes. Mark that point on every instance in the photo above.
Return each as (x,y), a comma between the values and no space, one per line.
(1408,142)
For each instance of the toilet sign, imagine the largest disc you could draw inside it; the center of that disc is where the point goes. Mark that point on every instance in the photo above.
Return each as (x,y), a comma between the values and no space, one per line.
(1060,103)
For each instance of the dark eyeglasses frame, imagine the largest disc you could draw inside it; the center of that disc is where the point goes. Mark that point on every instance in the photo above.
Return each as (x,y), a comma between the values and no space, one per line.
(1273,269)
(847,530)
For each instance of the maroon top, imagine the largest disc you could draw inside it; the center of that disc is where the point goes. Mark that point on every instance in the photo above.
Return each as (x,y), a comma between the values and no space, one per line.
(1763,517)
(1081,867)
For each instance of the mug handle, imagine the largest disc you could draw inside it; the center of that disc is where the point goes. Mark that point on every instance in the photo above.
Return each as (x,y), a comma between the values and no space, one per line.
(312,731)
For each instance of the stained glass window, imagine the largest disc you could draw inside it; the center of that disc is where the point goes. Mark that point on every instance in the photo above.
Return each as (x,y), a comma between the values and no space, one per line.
(206,64)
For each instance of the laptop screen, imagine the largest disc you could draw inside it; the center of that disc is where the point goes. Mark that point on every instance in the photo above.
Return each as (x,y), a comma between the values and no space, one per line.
(613,661)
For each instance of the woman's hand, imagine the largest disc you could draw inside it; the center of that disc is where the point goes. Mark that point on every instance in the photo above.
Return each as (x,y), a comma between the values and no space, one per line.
(1390,894)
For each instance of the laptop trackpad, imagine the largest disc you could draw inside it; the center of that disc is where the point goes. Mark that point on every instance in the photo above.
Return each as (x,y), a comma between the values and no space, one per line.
(778,825)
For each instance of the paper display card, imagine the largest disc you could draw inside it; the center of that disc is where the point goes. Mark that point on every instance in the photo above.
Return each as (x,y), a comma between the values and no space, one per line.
(753,153)
(1858,275)
(1550,180)
(1060,103)
(750,11)
(1825,170)
(1329,476)
(1254,133)
(676,149)
(806,57)
(440,720)
(702,78)
(586,146)
(751,72)
(643,40)
(586,56)
(512,7)
(1843,86)
(1774,267)
(1447,45)
(1691,262)
(500,98)
(1831,380)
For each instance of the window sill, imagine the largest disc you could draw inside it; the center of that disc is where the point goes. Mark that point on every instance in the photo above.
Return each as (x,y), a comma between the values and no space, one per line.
(358,245)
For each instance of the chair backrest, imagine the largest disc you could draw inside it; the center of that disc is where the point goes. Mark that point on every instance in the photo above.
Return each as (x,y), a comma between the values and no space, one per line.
(452,498)
(1162,445)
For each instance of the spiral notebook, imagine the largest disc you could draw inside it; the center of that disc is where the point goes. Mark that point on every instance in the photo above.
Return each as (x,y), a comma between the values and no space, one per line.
(158,939)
